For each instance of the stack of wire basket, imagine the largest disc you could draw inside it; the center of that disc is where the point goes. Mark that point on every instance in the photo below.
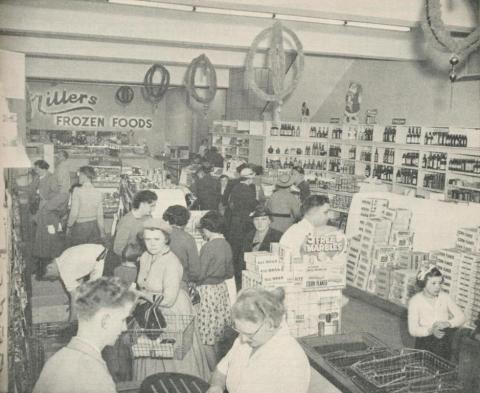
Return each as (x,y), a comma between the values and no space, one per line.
(408,371)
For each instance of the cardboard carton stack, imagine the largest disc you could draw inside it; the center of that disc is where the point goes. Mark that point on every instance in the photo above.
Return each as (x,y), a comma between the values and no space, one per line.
(380,258)
(313,286)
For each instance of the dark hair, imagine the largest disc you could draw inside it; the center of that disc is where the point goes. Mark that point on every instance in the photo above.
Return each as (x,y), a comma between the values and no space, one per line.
(64,153)
(261,211)
(145,196)
(74,186)
(42,164)
(88,171)
(433,272)
(213,149)
(299,169)
(213,221)
(258,169)
(223,177)
(240,167)
(257,304)
(314,201)
(105,292)
(176,215)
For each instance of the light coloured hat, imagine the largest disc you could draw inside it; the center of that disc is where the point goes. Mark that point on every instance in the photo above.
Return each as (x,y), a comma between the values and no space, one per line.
(284,180)
(157,223)
(247,173)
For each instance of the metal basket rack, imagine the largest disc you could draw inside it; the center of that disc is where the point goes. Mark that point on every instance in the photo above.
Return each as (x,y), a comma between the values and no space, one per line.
(410,371)
(173,342)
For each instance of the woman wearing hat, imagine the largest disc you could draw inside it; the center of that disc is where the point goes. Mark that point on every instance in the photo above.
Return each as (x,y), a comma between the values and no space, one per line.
(161,274)
(242,202)
(284,206)
(260,238)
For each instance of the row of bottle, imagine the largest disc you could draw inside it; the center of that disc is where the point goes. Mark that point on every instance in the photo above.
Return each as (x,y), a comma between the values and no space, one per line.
(465,195)
(317,149)
(389,134)
(413,135)
(383,172)
(320,165)
(464,165)
(389,156)
(410,159)
(366,134)
(334,151)
(341,167)
(435,181)
(406,176)
(442,138)
(321,132)
(436,161)
(285,130)
(337,133)
(365,156)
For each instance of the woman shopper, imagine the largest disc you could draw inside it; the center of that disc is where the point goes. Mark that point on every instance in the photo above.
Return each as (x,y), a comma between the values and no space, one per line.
(265,358)
(433,316)
(183,244)
(216,266)
(260,238)
(85,222)
(161,274)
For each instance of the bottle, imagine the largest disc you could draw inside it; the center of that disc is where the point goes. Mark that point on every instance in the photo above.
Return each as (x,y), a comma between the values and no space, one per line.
(398,178)
(375,156)
(270,149)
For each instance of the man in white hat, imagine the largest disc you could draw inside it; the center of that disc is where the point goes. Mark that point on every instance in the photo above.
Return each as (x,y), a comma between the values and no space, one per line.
(285,206)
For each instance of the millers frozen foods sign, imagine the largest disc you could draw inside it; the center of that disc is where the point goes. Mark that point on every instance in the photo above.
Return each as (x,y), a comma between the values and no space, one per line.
(85,107)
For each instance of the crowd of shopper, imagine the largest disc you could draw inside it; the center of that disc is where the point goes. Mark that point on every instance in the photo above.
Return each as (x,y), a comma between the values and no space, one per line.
(169,271)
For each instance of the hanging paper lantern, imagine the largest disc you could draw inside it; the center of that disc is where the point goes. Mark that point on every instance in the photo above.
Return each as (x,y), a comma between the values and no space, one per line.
(124,95)
(276,56)
(154,92)
(201,62)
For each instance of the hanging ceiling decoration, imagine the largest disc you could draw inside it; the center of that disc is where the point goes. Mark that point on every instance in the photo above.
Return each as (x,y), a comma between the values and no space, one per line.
(439,37)
(124,95)
(154,92)
(276,60)
(203,63)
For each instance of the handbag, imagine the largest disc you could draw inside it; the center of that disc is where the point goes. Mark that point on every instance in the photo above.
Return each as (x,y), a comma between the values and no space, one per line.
(193,292)
(149,316)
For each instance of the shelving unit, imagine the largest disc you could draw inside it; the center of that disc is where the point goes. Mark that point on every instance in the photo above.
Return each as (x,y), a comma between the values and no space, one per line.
(330,150)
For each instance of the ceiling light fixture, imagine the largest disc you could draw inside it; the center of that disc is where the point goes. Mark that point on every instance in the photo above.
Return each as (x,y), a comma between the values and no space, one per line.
(224,11)
(377,26)
(154,4)
(309,19)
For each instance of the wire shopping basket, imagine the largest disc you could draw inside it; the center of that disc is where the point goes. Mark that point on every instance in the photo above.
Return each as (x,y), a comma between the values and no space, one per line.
(410,371)
(172,342)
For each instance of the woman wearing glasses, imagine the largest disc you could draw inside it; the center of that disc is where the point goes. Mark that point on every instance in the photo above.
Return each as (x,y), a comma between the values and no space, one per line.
(264,357)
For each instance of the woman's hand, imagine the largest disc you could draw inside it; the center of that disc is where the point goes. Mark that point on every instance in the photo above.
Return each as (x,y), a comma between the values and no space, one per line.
(438,328)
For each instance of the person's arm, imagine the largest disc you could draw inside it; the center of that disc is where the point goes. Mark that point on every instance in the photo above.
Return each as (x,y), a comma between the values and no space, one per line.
(74,209)
(206,257)
(121,237)
(414,328)
(296,208)
(171,284)
(193,260)
(218,382)
(457,316)
(100,218)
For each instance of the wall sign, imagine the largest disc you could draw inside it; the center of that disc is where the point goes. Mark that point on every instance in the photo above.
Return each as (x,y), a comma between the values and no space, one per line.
(85,107)
(399,121)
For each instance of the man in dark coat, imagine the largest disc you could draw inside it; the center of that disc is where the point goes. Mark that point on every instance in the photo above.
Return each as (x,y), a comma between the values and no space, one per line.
(206,188)
(214,157)
(242,202)
(299,180)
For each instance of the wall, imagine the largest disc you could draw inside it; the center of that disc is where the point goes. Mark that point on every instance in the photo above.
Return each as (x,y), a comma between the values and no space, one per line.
(171,118)
(411,90)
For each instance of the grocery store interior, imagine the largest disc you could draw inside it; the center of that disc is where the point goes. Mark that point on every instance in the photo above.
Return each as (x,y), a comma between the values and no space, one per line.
(221,196)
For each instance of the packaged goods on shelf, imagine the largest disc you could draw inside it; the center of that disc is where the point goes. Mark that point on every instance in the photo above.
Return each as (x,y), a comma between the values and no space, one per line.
(469,239)
(403,286)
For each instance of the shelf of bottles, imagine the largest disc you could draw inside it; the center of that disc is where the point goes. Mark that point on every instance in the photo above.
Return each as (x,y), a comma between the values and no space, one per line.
(428,159)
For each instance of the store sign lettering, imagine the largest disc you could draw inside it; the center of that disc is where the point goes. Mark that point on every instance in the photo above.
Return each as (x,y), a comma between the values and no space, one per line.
(57,102)
(85,121)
